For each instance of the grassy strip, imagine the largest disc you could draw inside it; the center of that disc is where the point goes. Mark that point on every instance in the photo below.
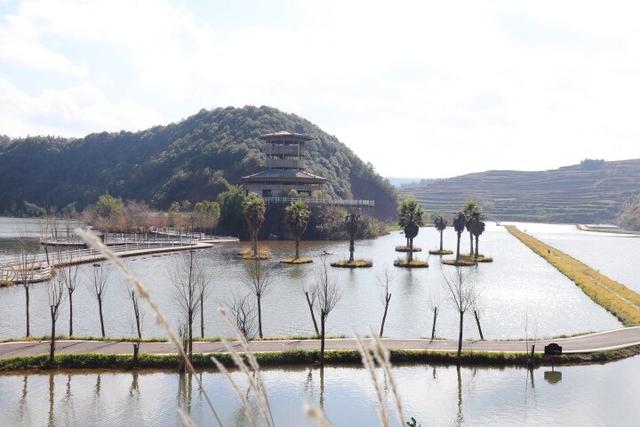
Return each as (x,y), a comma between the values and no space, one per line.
(616,298)
(300,357)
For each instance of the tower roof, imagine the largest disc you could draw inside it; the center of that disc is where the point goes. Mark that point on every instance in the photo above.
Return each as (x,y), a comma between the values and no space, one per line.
(275,175)
(284,135)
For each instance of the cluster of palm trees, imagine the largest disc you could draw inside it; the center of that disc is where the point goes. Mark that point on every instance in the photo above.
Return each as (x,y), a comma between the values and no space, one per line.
(470,218)
(254,209)
(411,217)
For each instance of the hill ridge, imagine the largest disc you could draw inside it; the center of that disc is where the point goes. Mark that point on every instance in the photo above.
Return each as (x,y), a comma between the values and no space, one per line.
(192,159)
(592,191)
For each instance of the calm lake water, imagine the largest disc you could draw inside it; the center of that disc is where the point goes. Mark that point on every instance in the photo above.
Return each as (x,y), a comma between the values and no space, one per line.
(518,284)
(594,395)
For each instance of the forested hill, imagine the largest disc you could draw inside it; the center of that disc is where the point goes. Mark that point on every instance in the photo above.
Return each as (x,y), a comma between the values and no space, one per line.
(192,160)
(593,191)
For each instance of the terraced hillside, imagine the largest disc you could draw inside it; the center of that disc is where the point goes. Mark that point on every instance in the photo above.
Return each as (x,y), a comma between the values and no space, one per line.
(590,192)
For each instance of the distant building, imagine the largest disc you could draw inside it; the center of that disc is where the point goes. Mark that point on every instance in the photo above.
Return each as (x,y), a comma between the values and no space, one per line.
(284,169)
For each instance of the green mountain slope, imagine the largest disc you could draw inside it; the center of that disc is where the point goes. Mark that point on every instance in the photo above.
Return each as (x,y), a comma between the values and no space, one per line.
(192,160)
(591,192)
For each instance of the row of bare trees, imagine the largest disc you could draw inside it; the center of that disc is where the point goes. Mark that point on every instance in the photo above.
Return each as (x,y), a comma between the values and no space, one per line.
(192,288)
(459,291)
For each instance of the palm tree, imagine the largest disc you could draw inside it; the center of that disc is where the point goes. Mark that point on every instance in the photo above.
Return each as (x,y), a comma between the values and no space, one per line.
(470,210)
(477,228)
(459,222)
(351,222)
(440,224)
(410,217)
(253,209)
(297,216)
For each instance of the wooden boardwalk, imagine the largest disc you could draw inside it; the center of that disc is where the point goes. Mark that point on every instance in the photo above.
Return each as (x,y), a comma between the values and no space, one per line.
(40,267)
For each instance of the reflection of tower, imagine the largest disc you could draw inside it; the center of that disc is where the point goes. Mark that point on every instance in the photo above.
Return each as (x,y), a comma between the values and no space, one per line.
(284,168)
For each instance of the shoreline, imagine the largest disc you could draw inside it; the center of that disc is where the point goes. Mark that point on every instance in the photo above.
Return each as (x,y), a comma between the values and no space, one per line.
(308,358)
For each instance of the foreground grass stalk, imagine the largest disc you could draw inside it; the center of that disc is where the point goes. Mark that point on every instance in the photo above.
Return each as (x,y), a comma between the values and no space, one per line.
(381,356)
(368,363)
(317,414)
(94,242)
(256,379)
(243,399)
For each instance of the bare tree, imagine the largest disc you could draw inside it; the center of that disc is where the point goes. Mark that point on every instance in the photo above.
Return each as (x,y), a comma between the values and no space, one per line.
(385,299)
(100,280)
(138,316)
(68,273)
(56,296)
(205,291)
(462,295)
(188,280)
(434,305)
(311,295)
(258,280)
(528,339)
(327,296)
(24,273)
(476,314)
(243,314)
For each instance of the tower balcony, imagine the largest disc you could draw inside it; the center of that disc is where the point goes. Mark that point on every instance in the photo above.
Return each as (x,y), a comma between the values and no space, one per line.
(292,163)
(285,150)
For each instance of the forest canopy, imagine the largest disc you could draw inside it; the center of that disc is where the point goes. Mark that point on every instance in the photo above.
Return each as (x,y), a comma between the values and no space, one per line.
(195,159)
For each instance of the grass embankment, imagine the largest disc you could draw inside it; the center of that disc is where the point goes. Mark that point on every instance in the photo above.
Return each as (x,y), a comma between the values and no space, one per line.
(301,357)
(616,298)
(358,263)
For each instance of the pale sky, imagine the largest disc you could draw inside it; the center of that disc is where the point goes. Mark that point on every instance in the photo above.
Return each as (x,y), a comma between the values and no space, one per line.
(419,89)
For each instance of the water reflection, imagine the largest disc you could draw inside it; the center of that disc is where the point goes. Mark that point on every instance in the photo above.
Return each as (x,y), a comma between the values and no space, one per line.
(434,395)
(553,376)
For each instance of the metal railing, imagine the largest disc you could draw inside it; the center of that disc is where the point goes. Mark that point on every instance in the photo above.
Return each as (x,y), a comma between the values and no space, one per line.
(315,201)
(53,258)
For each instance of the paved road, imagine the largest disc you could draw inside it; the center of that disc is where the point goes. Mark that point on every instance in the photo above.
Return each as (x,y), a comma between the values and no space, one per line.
(599,341)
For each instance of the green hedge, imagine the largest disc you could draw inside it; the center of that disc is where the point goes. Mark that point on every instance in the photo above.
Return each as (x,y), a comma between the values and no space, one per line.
(299,357)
